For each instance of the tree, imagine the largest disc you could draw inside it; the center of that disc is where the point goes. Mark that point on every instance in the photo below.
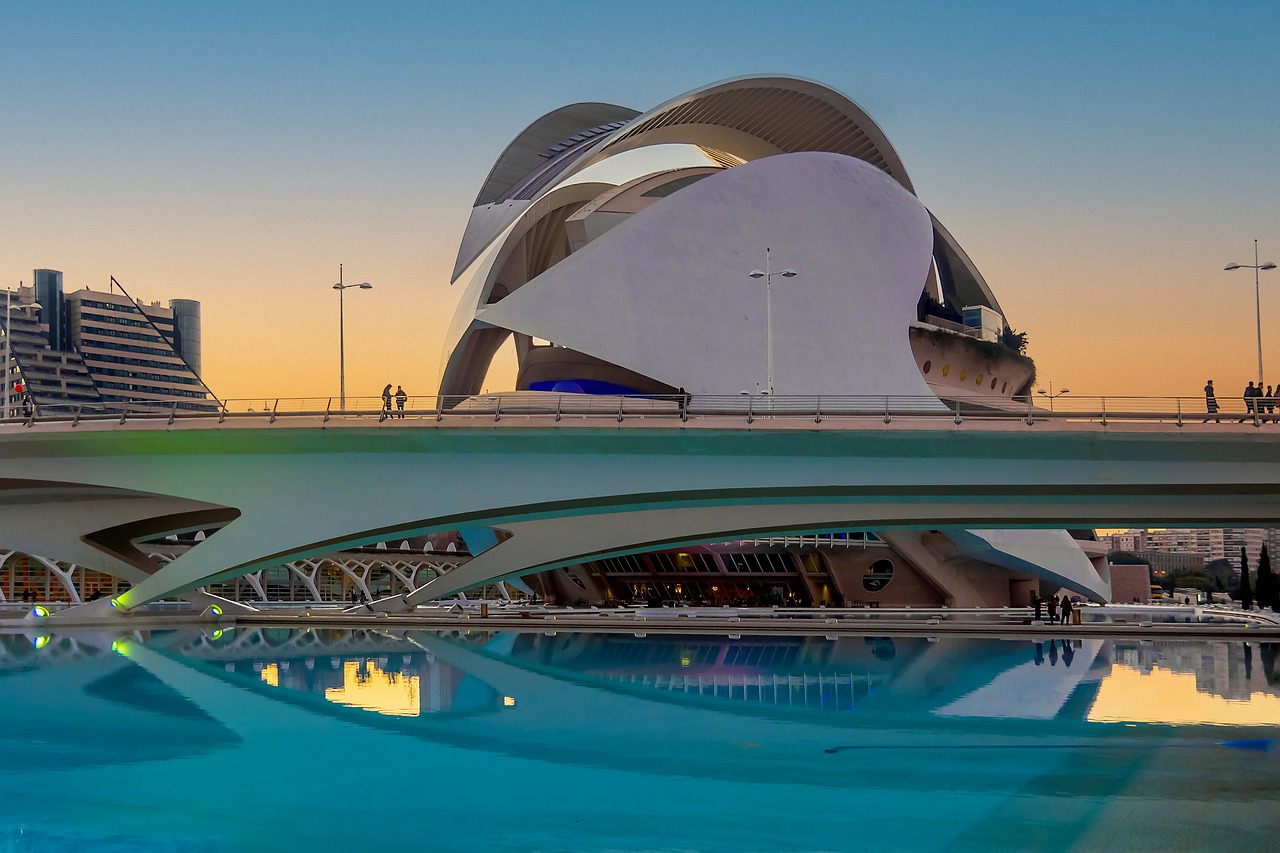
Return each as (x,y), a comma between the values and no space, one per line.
(1223,572)
(1246,594)
(1016,341)
(1268,594)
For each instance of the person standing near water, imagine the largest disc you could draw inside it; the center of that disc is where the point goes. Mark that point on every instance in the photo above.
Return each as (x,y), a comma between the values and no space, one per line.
(1053,609)
(386,401)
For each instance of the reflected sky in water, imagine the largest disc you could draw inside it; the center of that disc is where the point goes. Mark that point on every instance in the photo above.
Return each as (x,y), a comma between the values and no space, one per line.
(253,738)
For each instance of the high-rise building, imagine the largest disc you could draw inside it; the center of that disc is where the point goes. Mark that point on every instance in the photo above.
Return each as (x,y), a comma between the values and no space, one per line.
(132,349)
(48,292)
(33,370)
(90,350)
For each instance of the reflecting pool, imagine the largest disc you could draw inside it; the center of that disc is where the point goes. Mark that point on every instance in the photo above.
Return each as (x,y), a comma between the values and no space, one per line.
(284,739)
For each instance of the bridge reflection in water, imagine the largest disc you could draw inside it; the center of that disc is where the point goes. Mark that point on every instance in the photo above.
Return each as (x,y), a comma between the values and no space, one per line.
(110,732)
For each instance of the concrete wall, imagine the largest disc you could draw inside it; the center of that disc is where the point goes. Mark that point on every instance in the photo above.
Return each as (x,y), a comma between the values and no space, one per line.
(1129,582)
(908,586)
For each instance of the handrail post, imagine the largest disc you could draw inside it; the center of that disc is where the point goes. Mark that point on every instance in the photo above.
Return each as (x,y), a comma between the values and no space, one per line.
(439,408)
(1030,418)
(222,412)
(173,412)
(1104,411)
(1256,401)
(76,420)
(559,401)
(750,402)
(327,407)
(497,409)
(1180,412)
(124,413)
(817,415)
(958,420)
(621,402)
(888,418)
(274,406)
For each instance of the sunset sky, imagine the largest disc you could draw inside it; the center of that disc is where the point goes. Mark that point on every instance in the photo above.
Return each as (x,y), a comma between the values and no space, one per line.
(1100,162)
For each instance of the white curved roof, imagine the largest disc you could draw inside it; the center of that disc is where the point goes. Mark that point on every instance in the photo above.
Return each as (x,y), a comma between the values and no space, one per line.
(666,294)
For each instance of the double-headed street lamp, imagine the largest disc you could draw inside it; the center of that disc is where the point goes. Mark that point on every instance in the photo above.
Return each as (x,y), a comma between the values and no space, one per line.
(342,346)
(1257,297)
(1052,396)
(768,275)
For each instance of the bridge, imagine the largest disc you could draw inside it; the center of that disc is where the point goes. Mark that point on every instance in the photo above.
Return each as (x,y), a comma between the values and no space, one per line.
(565,479)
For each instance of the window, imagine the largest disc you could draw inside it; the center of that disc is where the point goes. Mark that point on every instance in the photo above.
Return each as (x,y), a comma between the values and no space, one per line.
(877,575)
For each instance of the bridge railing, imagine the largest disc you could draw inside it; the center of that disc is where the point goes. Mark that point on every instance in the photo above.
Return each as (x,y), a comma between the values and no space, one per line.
(579,408)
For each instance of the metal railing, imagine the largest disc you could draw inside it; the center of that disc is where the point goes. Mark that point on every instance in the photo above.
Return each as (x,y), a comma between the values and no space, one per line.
(571,409)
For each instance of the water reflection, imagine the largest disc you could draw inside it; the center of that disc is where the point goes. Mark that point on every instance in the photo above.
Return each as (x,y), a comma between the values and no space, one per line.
(936,733)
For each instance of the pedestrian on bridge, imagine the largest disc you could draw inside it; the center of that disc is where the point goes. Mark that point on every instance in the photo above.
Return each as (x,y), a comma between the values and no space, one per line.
(1211,403)
(386,401)
(1250,395)
(401,399)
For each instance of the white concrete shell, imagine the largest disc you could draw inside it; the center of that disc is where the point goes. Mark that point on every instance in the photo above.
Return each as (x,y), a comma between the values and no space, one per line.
(666,294)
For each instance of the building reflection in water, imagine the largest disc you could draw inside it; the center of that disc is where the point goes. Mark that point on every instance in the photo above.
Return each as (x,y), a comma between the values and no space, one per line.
(1211,683)
(1093,680)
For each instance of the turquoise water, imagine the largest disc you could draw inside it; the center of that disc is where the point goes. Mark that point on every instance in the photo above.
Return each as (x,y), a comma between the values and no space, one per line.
(288,739)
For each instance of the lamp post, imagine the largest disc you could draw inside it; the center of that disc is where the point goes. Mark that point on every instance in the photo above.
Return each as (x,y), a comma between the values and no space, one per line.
(342,344)
(1052,396)
(768,275)
(1257,296)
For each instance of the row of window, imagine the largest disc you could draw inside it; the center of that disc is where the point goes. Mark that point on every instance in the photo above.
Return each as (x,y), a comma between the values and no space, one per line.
(115,347)
(698,563)
(154,377)
(168,392)
(87,317)
(117,333)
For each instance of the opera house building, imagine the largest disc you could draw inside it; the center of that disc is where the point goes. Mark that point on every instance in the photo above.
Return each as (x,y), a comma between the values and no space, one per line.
(757,237)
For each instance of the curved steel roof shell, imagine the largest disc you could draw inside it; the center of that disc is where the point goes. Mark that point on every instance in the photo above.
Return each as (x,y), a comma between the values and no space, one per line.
(536,144)
(786,114)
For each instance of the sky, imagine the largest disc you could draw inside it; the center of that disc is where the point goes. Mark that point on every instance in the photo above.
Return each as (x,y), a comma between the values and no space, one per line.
(1100,162)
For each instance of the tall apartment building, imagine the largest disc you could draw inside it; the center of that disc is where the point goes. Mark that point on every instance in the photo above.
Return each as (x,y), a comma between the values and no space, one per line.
(133,350)
(32,370)
(1213,543)
(95,350)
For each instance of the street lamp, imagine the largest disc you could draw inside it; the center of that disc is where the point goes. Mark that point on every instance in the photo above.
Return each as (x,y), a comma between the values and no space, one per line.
(768,275)
(8,349)
(1052,396)
(342,346)
(1257,298)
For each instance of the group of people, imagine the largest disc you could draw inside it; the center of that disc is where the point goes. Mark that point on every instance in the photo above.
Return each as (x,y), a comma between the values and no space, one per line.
(1061,610)
(1257,402)
(400,397)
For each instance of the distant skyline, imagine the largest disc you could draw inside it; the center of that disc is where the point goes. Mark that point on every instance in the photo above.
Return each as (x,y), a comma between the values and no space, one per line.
(1100,162)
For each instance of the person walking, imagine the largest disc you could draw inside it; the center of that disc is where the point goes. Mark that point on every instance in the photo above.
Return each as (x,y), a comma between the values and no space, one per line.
(1053,609)
(1248,401)
(386,402)
(401,398)
(1211,403)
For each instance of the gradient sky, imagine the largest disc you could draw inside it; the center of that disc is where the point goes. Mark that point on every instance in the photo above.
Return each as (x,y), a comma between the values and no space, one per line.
(1100,162)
